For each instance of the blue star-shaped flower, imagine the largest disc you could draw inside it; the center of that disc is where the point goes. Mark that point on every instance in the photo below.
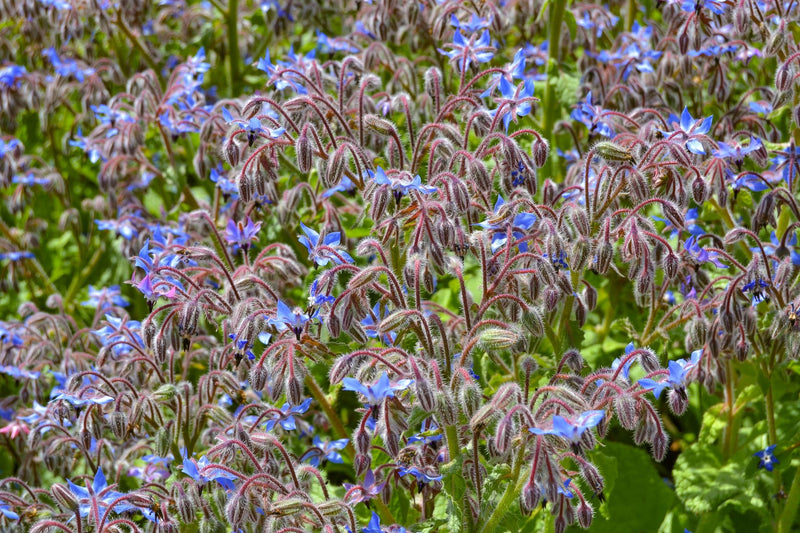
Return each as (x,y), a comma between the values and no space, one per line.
(322,257)
(569,429)
(767,458)
(678,371)
(377,393)
(690,128)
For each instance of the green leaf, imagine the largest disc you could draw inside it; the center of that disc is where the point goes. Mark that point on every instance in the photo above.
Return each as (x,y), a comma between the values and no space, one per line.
(637,497)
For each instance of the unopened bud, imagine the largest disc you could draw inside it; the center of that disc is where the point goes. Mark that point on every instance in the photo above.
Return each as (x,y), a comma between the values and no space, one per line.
(611,151)
(64,497)
(497,338)
(670,265)
(539,151)
(165,392)
(379,125)
(119,424)
(783,78)
(304,152)
(660,443)
(585,514)
(699,190)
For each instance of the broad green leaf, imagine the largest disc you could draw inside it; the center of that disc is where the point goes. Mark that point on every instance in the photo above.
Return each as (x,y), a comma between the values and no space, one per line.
(637,497)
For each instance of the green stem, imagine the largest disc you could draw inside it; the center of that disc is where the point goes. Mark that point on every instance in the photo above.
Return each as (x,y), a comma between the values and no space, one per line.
(630,14)
(146,55)
(550,108)
(790,509)
(233,46)
(333,417)
(349,451)
(510,494)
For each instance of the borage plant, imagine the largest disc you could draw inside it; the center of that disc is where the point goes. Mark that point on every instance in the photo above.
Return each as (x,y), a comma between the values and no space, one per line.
(419,269)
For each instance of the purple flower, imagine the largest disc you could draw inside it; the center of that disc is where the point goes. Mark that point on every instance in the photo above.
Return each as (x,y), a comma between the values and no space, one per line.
(474,25)
(756,289)
(253,127)
(88,398)
(701,254)
(10,76)
(280,79)
(465,51)
(16,256)
(8,147)
(321,257)
(499,223)
(286,419)
(678,371)
(242,234)
(767,459)
(365,491)
(105,297)
(328,451)
(377,393)
(571,430)
(200,472)
(514,101)
(690,128)
(401,183)
(422,476)
(695,6)
(371,321)
(295,320)
(592,116)
(123,228)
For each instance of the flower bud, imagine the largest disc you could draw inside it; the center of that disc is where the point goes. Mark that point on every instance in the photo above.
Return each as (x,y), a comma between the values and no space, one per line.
(230,152)
(532,320)
(660,443)
(625,408)
(612,152)
(670,265)
(497,338)
(470,398)
(699,190)
(165,393)
(119,424)
(479,175)
(238,510)
(185,506)
(530,497)
(446,407)
(302,147)
(379,125)
(585,514)
(605,254)
(783,78)
(161,442)
(361,464)
(64,497)
(539,151)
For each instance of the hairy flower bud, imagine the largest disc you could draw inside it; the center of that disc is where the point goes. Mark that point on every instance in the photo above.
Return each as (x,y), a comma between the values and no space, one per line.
(497,338)
(161,442)
(446,408)
(539,150)
(530,497)
(470,398)
(64,497)
(119,424)
(612,152)
(783,78)
(585,514)
(303,151)
(379,125)
(361,464)
(660,445)
(605,254)
(532,320)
